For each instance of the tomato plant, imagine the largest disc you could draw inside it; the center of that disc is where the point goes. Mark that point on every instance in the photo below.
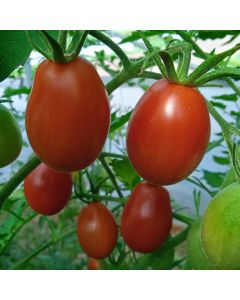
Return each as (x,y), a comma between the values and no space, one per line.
(173,121)
(97,230)
(75,110)
(10,137)
(147,218)
(119,168)
(47,191)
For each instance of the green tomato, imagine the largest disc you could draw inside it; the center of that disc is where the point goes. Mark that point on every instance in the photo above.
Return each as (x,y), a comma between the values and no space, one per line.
(195,256)
(10,137)
(220,229)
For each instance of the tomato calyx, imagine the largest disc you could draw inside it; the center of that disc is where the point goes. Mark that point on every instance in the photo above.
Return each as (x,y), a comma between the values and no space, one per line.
(181,51)
(56,50)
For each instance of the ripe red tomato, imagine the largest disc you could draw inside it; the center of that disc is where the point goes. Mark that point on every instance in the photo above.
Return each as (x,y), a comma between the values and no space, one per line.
(47,191)
(97,230)
(168,132)
(147,218)
(93,264)
(68,114)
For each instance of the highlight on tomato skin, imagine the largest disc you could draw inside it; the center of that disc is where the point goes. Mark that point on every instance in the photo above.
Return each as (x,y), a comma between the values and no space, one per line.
(67,115)
(97,230)
(147,218)
(168,133)
(46,190)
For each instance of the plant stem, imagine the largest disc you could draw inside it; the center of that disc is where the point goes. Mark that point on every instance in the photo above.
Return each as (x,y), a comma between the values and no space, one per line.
(26,221)
(101,197)
(185,219)
(40,249)
(116,49)
(62,39)
(111,175)
(115,155)
(10,186)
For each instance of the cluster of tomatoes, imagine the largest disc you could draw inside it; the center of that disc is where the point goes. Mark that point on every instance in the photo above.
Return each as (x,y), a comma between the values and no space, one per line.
(67,122)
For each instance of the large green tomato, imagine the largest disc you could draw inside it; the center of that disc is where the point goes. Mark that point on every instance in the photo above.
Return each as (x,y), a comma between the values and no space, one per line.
(195,256)
(220,230)
(10,137)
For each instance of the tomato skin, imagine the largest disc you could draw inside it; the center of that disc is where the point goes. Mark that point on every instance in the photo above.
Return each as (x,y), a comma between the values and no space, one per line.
(220,227)
(97,230)
(147,218)
(47,191)
(68,114)
(195,255)
(93,264)
(168,132)
(10,137)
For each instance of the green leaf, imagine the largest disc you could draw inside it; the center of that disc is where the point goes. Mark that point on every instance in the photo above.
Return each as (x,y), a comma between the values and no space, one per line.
(227,97)
(118,122)
(221,160)
(215,144)
(218,104)
(213,178)
(216,34)
(9,92)
(14,51)
(125,172)
(134,36)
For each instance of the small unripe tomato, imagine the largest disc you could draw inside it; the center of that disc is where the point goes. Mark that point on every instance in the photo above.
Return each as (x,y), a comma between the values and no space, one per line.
(97,230)
(10,137)
(47,191)
(147,218)
(168,132)
(67,115)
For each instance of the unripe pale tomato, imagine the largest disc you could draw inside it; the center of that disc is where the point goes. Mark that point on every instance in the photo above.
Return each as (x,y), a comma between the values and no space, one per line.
(147,218)
(47,191)
(168,132)
(97,230)
(195,255)
(68,114)
(10,137)
(220,229)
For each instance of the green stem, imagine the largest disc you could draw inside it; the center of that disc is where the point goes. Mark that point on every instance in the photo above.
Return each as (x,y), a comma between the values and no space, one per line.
(62,39)
(115,155)
(26,221)
(77,44)
(171,72)
(185,219)
(116,49)
(10,186)
(156,57)
(23,261)
(111,175)
(102,197)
